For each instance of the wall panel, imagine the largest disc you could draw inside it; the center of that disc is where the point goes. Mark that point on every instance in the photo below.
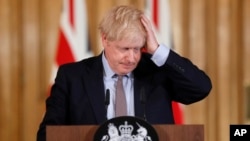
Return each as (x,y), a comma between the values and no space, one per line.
(223,48)
(246,53)
(4,99)
(211,63)
(31,81)
(236,59)
(9,72)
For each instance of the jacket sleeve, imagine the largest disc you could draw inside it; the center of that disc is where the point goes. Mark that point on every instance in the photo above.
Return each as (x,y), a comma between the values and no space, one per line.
(188,83)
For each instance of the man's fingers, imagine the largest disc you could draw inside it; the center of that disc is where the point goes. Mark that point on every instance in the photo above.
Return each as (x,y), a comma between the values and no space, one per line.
(146,23)
(152,43)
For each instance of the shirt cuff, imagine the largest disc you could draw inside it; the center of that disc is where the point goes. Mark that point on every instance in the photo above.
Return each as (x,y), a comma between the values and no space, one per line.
(161,55)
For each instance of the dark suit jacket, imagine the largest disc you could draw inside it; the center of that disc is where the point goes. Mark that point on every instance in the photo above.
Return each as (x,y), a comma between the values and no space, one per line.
(77,97)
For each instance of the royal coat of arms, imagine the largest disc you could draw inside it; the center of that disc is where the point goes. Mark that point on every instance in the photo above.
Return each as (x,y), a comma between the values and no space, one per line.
(126,128)
(124,133)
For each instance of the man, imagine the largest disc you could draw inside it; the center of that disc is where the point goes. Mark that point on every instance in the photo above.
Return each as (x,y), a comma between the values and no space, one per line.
(78,95)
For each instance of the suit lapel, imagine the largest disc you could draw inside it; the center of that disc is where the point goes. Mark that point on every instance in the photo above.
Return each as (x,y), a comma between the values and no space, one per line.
(139,107)
(95,89)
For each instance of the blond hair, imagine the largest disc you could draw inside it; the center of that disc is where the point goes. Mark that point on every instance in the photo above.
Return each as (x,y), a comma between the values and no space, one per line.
(122,22)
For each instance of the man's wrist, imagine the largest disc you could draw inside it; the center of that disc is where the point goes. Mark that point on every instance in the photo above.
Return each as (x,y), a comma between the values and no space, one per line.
(159,57)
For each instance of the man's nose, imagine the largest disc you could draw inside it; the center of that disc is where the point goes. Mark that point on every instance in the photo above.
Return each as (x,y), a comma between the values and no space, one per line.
(130,55)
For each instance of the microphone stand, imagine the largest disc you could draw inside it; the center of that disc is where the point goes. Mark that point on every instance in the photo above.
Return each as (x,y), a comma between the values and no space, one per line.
(143,102)
(107,101)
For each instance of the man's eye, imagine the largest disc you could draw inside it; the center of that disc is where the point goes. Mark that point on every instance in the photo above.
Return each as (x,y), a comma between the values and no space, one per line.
(125,49)
(137,49)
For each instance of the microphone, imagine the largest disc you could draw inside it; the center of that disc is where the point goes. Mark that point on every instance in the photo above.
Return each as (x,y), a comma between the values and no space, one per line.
(143,102)
(107,101)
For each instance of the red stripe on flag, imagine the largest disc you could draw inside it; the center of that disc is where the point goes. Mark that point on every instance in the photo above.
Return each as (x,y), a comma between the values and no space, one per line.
(155,13)
(71,13)
(64,53)
(178,116)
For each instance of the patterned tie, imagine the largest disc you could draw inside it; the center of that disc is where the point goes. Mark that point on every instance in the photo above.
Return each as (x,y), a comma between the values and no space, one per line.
(120,101)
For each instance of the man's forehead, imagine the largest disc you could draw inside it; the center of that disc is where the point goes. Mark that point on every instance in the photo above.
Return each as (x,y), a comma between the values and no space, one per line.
(130,44)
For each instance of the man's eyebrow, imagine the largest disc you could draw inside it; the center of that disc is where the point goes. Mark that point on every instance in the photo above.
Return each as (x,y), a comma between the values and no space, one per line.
(120,46)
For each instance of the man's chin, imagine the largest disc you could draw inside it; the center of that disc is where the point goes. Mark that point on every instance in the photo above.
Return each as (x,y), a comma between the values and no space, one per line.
(126,71)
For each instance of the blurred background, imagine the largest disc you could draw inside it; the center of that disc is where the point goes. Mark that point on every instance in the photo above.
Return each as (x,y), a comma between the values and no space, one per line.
(214,34)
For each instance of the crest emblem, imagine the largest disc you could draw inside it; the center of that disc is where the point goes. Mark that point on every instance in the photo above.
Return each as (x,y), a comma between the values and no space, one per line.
(126,129)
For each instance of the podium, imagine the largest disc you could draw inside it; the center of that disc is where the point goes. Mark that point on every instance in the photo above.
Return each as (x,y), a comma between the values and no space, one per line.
(165,132)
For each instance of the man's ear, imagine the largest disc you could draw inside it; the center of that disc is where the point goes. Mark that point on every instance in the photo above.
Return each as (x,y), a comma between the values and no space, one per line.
(104,39)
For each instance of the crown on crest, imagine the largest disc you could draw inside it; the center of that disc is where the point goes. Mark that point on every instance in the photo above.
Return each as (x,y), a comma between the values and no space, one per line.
(126,129)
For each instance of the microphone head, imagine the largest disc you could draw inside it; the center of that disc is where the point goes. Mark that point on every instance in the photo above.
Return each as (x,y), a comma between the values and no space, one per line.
(107,97)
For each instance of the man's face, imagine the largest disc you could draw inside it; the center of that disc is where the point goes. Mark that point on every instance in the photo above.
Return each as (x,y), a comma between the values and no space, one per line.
(124,55)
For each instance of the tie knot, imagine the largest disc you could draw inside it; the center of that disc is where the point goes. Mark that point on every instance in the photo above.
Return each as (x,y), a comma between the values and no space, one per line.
(119,76)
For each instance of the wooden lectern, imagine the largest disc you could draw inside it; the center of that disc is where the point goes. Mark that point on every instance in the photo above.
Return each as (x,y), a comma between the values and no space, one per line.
(165,133)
